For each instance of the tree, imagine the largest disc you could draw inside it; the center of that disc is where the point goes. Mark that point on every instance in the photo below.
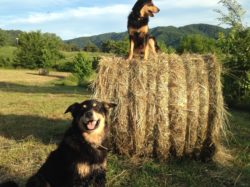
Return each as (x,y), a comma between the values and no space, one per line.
(236,48)
(90,47)
(116,47)
(70,47)
(163,47)
(38,50)
(197,44)
(82,67)
(3,37)
(234,15)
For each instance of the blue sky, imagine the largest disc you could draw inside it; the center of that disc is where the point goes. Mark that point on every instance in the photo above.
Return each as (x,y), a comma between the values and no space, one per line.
(75,18)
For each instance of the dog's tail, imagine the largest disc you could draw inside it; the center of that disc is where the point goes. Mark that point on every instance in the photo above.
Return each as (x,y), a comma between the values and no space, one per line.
(9,184)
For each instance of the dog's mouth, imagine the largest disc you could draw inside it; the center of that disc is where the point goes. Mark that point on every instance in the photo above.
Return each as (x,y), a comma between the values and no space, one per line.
(150,13)
(92,124)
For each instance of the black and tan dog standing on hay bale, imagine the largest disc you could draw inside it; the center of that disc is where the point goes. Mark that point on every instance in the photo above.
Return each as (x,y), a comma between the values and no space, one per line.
(140,40)
(80,159)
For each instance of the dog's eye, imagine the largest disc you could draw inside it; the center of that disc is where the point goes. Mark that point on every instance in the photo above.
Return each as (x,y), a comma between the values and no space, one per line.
(94,104)
(84,106)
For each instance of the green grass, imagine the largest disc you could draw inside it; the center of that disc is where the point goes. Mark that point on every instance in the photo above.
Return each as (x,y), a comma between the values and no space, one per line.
(32,121)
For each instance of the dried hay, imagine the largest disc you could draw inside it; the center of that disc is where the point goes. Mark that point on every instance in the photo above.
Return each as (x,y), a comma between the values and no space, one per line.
(168,106)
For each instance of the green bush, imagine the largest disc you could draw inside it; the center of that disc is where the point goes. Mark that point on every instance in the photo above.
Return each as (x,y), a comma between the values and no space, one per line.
(64,66)
(82,68)
(6,62)
(90,47)
(3,36)
(116,47)
(197,44)
(163,48)
(236,64)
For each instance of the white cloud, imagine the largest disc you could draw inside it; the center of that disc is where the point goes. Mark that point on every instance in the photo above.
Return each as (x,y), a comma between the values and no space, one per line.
(94,11)
(79,13)
(186,3)
(30,3)
(35,18)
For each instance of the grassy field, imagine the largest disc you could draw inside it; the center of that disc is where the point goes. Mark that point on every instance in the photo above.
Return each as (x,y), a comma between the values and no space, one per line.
(32,121)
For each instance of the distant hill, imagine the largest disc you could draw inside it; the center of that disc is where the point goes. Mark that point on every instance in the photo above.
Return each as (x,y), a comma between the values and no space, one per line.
(97,39)
(170,35)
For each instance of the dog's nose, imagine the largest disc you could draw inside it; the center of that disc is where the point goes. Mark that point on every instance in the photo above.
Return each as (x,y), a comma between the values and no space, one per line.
(158,10)
(89,114)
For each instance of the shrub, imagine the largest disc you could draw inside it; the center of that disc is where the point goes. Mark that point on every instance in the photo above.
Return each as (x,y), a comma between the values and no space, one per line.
(82,68)
(197,44)
(163,48)
(90,47)
(5,62)
(116,47)
(64,66)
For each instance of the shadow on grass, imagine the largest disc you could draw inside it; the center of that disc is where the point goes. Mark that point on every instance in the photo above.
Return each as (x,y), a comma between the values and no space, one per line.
(23,128)
(53,89)
(7,175)
(45,130)
(55,76)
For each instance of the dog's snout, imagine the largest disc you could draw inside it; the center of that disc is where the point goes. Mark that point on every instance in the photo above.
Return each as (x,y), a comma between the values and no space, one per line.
(89,114)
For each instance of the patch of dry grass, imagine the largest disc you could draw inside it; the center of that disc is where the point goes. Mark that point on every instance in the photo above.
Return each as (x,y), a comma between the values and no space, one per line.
(19,159)
(28,76)
(32,119)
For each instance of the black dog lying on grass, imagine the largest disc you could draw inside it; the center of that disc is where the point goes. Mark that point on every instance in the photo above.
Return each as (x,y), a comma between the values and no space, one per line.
(80,159)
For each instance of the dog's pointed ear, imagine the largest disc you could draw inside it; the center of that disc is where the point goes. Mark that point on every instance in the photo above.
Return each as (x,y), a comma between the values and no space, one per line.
(108,106)
(72,109)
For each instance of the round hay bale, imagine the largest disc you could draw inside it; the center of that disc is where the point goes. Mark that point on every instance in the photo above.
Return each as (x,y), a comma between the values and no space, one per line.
(167,106)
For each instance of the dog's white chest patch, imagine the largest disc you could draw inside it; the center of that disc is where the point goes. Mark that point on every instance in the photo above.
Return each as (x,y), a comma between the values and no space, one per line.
(85,169)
